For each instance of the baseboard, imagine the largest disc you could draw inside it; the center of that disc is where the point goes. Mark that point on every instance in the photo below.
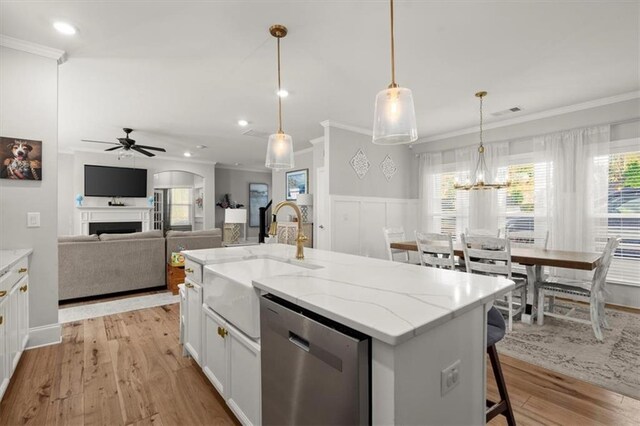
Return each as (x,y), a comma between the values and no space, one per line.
(45,335)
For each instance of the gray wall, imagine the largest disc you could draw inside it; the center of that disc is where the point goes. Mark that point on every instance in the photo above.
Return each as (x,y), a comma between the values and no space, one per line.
(343,145)
(621,112)
(303,160)
(29,109)
(66,196)
(74,170)
(236,183)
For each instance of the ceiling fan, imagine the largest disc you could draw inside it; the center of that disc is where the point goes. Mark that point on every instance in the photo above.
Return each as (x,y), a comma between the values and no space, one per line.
(127,144)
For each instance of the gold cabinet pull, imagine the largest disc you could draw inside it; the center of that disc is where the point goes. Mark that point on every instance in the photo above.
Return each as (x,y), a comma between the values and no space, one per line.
(23,288)
(3,293)
(188,285)
(222,332)
(188,270)
(22,270)
(1,319)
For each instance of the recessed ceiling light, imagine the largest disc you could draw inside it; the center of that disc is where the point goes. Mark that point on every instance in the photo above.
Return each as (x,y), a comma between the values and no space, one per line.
(242,123)
(187,154)
(64,28)
(282,93)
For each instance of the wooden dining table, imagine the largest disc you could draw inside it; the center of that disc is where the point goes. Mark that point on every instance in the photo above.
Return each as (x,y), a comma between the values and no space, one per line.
(534,259)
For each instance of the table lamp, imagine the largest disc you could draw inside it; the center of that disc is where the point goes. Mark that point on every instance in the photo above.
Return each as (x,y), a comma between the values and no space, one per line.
(304,201)
(236,217)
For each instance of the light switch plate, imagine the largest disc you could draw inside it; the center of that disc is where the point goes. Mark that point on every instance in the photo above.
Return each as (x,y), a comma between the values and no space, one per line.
(449,378)
(33,220)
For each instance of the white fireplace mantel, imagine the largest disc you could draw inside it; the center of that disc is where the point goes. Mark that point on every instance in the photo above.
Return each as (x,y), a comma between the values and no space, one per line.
(91,214)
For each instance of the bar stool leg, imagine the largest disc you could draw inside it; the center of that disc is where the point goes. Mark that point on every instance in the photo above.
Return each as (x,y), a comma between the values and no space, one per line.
(504,406)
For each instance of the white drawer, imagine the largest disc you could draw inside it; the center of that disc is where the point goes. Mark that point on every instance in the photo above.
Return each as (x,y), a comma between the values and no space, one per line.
(14,274)
(193,271)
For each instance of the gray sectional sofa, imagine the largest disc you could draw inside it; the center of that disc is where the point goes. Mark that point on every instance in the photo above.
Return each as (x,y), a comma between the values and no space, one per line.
(112,263)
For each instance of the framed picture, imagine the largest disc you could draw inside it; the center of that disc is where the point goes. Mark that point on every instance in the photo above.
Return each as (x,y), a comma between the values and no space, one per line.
(258,197)
(20,159)
(297,182)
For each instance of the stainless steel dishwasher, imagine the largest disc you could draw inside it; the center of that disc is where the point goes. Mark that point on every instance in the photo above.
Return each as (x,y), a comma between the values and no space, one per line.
(314,370)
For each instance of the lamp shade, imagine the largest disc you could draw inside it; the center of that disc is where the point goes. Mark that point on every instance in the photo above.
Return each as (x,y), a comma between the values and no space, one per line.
(279,152)
(304,200)
(235,215)
(394,120)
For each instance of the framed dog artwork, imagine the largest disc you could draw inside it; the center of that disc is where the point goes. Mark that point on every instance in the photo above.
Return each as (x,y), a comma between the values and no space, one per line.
(20,159)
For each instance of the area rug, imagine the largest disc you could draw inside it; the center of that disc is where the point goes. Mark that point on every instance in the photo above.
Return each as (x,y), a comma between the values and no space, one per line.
(94,310)
(570,348)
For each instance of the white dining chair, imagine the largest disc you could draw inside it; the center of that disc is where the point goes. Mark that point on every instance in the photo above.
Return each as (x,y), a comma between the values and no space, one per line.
(482,232)
(492,256)
(395,235)
(435,250)
(592,292)
(526,239)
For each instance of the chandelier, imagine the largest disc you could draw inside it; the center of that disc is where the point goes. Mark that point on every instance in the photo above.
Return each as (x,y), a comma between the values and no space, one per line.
(481,173)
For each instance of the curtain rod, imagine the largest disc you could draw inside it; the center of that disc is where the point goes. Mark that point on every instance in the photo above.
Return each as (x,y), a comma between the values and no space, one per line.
(614,123)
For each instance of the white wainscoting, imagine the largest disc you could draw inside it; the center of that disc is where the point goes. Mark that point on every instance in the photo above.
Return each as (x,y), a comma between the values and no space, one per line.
(357,222)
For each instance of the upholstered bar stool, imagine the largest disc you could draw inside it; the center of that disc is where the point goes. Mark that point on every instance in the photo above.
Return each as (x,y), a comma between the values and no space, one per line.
(495,332)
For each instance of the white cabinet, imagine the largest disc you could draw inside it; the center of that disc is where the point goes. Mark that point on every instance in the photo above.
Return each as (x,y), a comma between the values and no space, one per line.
(4,353)
(214,351)
(231,361)
(193,332)
(244,385)
(14,317)
(23,314)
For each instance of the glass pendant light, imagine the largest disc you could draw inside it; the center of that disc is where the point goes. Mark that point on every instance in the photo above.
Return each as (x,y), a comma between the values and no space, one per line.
(394,120)
(481,172)
(280,146)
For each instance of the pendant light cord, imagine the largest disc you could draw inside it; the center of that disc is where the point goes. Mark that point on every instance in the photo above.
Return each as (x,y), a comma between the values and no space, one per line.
(481,98)
(279,97)
(393,49)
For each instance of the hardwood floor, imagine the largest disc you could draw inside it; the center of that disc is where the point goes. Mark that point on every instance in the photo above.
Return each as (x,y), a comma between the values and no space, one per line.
(128,369)
(123,369)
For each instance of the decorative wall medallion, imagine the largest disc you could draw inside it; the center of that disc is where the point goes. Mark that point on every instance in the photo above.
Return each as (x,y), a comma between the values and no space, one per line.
(388,168)
(360,163)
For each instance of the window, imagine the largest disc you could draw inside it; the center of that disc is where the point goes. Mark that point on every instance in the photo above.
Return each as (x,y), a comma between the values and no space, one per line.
(180,206)
(623,215)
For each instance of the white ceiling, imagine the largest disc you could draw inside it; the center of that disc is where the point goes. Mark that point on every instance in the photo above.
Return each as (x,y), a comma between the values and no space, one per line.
(183,73)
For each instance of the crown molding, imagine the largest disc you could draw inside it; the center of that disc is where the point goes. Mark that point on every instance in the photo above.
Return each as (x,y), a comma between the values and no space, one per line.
(338,125)
(243,169)
(535,116)
(34,48)
(316,140)
(303,151)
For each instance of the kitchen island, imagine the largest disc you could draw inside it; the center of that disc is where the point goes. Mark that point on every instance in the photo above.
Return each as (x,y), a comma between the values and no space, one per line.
(424,324)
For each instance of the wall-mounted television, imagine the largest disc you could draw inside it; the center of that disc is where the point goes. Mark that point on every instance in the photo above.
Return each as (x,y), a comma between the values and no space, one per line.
(104,181)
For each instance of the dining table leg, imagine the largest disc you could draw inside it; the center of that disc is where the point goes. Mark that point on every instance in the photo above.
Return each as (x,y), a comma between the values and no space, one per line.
(534,273)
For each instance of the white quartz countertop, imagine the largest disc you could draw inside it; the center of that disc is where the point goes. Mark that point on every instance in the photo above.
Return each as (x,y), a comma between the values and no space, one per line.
(389,301)
(8,258)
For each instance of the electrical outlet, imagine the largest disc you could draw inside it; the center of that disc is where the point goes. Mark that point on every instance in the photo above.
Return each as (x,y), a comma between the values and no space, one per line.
(33,220)
(449,378)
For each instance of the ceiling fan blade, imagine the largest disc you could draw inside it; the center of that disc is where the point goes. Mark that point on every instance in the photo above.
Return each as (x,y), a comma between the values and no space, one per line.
(90,140)
(153,148)
(142,151)
(114,148)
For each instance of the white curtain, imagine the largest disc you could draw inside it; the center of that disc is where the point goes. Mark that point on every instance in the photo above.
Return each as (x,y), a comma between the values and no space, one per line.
(430,166)
(483,207)
(574,202)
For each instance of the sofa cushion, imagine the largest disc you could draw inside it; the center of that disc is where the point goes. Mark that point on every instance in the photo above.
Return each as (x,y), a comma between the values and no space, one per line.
(131,236)
(203,233)
(78,238)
